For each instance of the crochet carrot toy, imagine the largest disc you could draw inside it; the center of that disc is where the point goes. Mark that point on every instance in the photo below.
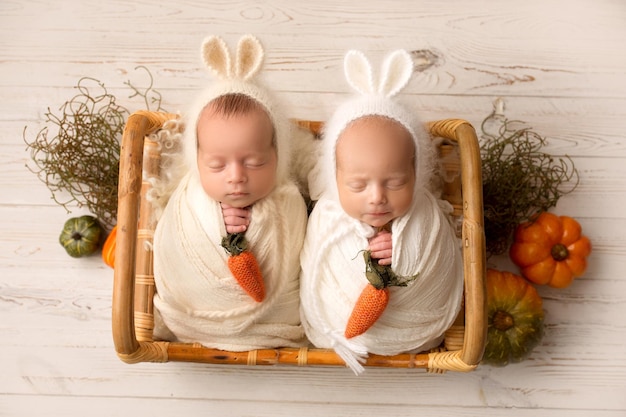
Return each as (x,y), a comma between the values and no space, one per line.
(374,297)
(244,266)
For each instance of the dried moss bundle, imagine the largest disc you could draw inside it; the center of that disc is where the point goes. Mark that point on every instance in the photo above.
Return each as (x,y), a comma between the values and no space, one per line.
(77,153)
(519,180)
(151,97)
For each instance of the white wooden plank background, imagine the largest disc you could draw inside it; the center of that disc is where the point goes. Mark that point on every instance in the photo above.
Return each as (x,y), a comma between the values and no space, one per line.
(559,65)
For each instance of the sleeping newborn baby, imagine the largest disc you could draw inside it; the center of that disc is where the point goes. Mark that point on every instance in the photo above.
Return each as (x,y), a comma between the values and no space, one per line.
(226,248)
(381,265)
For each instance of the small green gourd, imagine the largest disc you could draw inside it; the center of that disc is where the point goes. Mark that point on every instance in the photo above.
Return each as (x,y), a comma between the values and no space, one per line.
(81,236)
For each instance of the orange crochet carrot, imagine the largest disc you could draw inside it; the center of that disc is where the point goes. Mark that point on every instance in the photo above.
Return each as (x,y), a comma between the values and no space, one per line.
(375,296)
(368,308)
(244,266)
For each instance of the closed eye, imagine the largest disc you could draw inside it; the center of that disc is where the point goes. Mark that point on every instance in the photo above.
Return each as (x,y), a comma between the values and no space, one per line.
(396,184)
(356,186)
(215,166)
(255,164)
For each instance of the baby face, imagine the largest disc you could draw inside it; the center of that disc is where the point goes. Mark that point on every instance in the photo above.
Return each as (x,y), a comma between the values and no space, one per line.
(375,170)
(236,157)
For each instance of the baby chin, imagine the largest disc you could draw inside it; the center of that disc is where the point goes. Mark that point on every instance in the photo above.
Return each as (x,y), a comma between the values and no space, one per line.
(377,219)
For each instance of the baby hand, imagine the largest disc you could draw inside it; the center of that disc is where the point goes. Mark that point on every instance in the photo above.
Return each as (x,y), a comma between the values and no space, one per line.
(236,219)
(380,247)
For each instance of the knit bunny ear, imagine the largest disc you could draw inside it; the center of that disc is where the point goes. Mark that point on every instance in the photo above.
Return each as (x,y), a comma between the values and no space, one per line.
(395,73)
(249,57)
(358,72)
(216,56)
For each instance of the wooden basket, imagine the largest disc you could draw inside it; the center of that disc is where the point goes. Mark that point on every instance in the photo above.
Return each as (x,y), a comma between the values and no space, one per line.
(134,287)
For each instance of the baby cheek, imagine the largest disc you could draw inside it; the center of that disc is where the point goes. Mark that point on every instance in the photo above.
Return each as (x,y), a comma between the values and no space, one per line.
(211,182)
(405,202)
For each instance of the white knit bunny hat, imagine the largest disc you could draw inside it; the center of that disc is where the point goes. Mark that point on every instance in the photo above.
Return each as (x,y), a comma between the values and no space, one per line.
(236,77)
(379,100)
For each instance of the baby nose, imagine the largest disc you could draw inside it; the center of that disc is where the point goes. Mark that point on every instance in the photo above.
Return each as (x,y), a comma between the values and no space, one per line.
(236,173)
(378,195)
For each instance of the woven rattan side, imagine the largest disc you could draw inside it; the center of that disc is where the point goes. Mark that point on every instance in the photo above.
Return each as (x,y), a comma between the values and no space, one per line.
(473,241)
(134,281)
(126,277)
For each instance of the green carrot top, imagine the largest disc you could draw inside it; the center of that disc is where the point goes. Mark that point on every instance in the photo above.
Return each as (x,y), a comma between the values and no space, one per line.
(382,276)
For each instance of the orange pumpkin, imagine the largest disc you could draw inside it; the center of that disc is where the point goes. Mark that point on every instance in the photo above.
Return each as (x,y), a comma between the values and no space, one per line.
(550,250)
(108,250)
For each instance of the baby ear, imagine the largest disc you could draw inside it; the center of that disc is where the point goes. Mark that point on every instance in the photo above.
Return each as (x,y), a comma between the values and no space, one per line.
(358,72)
(216,56)
(396,73)
(249,57)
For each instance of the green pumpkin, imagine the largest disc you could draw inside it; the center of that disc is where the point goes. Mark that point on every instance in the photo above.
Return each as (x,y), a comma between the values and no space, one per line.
(81,236)
(515,318)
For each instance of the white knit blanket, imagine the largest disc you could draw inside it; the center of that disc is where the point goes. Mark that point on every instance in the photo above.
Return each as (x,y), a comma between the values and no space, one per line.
(198,300)
(333,276)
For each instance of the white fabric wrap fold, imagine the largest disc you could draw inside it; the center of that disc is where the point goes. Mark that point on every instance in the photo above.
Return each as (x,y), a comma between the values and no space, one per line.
(333,276)
(199,300)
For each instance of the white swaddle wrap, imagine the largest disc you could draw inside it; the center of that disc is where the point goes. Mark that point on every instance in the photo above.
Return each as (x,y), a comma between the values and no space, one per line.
(423,240)
(333,277)
(199,300)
